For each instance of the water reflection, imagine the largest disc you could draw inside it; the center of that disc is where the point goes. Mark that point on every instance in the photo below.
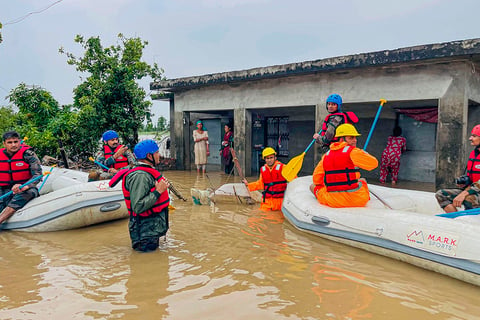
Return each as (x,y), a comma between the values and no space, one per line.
(228,260)
(147,282)
(17,274)
(81,267)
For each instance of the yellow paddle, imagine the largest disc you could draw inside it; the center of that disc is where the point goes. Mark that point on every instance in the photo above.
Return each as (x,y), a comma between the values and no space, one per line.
(292,168)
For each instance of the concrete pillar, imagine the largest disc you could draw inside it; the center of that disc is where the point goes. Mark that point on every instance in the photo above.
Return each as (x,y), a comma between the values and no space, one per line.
(181,143)
(242,138)
(452,131)
(172,129)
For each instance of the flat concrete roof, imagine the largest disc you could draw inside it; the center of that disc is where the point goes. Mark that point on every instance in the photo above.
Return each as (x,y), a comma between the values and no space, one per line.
(454,50)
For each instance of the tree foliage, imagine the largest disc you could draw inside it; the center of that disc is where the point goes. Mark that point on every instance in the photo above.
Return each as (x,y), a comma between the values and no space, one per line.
(41,119)
(162,124)
(9,119)
(110,97)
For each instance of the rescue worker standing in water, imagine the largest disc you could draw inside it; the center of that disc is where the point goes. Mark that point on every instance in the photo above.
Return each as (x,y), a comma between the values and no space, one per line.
(146,197)
(336,179)
(334,118)
(271,181)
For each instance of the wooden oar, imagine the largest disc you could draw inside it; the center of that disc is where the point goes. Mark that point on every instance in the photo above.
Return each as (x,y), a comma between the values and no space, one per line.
(240,173)
(380,199)
(452,215)
(176,192)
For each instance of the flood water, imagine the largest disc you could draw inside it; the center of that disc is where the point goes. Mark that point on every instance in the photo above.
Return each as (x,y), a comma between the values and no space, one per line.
(231,261)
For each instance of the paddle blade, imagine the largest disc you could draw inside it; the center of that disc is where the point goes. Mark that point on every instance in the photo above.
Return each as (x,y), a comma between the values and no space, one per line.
(292,168)
(456,214)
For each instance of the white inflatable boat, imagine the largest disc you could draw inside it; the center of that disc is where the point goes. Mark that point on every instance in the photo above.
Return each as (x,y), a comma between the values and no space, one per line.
(229,192)
(67,201)
(402,225)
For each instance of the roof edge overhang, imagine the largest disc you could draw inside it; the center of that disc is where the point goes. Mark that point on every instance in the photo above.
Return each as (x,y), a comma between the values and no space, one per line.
(462,49)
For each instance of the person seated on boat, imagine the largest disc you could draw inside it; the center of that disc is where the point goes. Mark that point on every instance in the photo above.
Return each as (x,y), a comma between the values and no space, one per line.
(270,181)
(18,165)
(146,196)
(467,192)
(336,179)
(113,155)
(334,118)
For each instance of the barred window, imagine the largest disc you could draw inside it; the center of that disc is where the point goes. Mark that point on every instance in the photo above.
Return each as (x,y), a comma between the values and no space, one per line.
(278,134)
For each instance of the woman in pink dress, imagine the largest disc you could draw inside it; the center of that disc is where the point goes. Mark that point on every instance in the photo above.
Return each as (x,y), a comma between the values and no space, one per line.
(396,145)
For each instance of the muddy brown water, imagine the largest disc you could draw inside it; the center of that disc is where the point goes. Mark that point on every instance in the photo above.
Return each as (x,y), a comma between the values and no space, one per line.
(231,261)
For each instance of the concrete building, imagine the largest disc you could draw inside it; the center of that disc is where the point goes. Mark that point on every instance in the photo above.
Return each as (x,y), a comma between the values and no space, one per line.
(283,105)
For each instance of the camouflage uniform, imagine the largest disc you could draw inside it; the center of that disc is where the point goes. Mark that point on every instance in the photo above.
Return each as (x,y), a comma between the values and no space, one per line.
(145,231)
(19,200)
(446,196)
(100,157)
(329,135)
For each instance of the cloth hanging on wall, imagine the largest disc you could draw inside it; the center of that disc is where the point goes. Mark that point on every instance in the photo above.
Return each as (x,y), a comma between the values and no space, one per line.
(429,115)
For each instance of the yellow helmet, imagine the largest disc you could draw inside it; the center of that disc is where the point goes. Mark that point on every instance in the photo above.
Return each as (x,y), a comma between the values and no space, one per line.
(346,130)
(268,151)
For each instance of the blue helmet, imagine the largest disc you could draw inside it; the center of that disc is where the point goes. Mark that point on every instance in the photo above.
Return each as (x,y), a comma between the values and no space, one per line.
(144,147)
(335,98)
(109,135)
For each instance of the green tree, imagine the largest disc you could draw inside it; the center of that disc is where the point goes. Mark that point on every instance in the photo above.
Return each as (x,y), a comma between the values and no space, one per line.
(161,123)
(148,127)
(1,33)
(36,109)
(110,97)
(9,119)
(45,123)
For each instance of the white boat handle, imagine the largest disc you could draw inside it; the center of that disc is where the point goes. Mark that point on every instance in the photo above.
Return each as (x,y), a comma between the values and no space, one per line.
(321,220)
(110,207)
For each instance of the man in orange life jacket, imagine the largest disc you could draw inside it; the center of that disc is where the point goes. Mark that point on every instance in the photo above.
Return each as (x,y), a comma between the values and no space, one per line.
(334,118)
(18,164)
(336,179)
(113,155)
(271,181)
(468,191)
(146,197)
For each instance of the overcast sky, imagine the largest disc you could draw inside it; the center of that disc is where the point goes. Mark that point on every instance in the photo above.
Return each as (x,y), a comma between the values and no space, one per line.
(195,37)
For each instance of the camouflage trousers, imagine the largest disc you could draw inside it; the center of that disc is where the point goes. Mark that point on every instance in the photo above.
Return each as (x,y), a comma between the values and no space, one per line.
(95,175)
(19,200)
(146,231)
(446,196)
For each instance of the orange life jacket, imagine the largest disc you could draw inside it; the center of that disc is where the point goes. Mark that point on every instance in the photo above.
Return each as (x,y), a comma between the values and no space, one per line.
(340,172)
(162,201)
(273,181)
(14,170)
(120,162)
(473,166)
